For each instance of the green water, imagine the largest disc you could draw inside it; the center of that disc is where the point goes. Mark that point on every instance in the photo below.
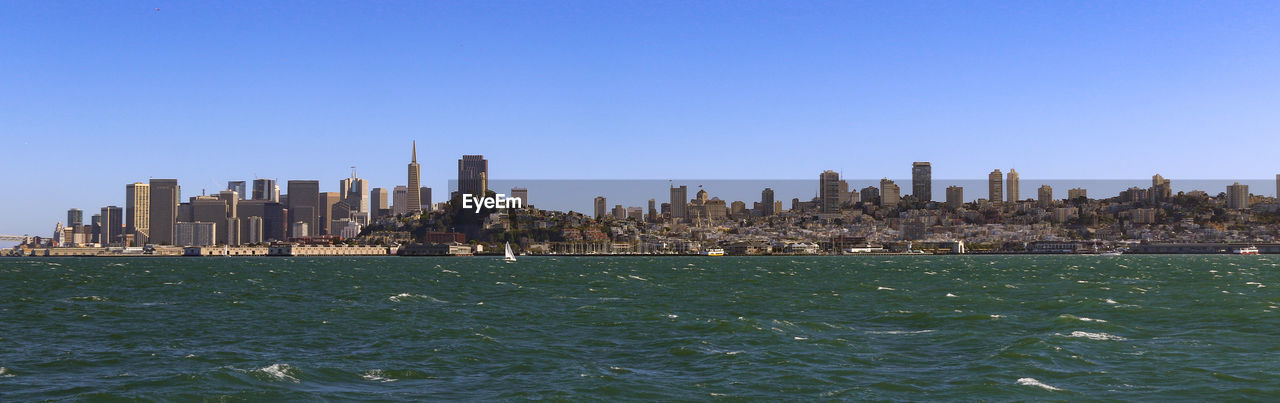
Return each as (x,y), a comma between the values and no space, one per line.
(911,327)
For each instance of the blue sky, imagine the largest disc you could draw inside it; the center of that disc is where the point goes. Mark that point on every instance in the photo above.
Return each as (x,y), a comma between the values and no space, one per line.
(94,95)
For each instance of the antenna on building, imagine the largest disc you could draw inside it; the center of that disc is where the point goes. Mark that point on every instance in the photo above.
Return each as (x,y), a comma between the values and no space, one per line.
(353,171)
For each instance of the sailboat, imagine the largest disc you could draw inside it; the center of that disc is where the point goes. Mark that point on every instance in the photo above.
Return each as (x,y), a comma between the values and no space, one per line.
(510,257)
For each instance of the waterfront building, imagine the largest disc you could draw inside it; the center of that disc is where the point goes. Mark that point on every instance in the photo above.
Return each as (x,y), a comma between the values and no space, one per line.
(254,230)
(1044,196)
(995,186)
(922,181)
(600,207)
(299,229)
(304,203)
(890,194)
(679,202)
(829,192)
(137,212)
(195,234)
(473,175)
(165,197)
(1011,186)
(955,196)
(240,187)
(266,189)
(1238,196)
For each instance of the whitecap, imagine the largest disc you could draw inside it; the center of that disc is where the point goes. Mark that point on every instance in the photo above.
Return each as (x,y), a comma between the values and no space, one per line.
(800,338)
(885,288)
(1096,336)
(1111,301)
(5,373)
(1036,383)
(901,331)
(950,295)
(1255,283)
(283,372)
(377,375)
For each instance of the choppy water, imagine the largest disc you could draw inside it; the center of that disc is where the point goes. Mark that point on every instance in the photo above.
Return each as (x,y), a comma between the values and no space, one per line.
(913,327)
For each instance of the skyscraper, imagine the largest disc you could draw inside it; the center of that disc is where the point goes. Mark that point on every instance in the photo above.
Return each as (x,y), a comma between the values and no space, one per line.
(212,210)
(324,223)
(424,198)
(890,193)
(239,187)
(829,192)
(955,196)
(1161,189)
(355,192)
(522,194)
(1075,193)
(112,224)
(766,202)
(413,202)
(1044,196)
(995,186)
(378,201)
(137,212)
(400,200)
(75,218)
(473,175)
(165,196)
(600,207)
(1238,196)
(1011,186)
(266,189)
(304,204)
(679,202)
(922,181)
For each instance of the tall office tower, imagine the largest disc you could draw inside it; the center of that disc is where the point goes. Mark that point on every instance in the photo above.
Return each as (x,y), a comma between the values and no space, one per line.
(304,204)
(870,194)
(653,210)
(239,187)
(324,222)
(845,196)
(600,207)
(195,234)
(922,181)
(955,196)
(1076,193)
(266,189)
(473,175)
(995,186)
(253,227)
(1011,186)
(137,212)
(829,192)
(679,202)
(273,224)
(1161,189)
(112,223)
(1045,196)
(400,200)
(212,209)
(414,200)
(163,212)
(378,201)
(1238,196)
(232,199)
(424,198)
(75,218)
(275,194)
(890,194)
(522,194)
(355,192)
(766,202)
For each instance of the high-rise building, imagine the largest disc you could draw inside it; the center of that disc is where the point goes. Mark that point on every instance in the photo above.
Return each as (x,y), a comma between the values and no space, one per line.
(413,201)
(325,220)
(137,212)
(1044,196)
(240,187)
(845,196)
(111,225)
(254,230)
(75,218)
(266,189)
(378,201)
(165,196)
(304,203)
(679,202)
(922,181)
(213,210)
(95,228)
(1238,196)
(829,192)
(955,196)
(400,200)
(890,193)
(600,207)
(1011,186)
(473,175)
(870,194)
(273,225)
(195,234)
(995,186)
(1161,189)
(522,194)
(424,198)
(355,192)
(653,210)
(1076,193)
(299,229)
(766,202)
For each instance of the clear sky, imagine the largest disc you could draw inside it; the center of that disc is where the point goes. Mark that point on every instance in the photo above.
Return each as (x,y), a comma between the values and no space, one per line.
(94,95)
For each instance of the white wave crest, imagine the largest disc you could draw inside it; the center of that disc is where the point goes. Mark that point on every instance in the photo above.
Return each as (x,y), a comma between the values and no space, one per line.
(1096,336)
(1036,383)
(4,373)
(377,375)
(950,295)
(283,372)
(404,296)
(884,288)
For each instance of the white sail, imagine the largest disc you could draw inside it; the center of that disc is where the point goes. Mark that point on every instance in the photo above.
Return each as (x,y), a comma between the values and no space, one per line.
(511,257)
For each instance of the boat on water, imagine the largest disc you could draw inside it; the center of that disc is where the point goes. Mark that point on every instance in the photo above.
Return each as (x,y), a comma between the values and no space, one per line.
(510,257)
(714,252)
(1249,250)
